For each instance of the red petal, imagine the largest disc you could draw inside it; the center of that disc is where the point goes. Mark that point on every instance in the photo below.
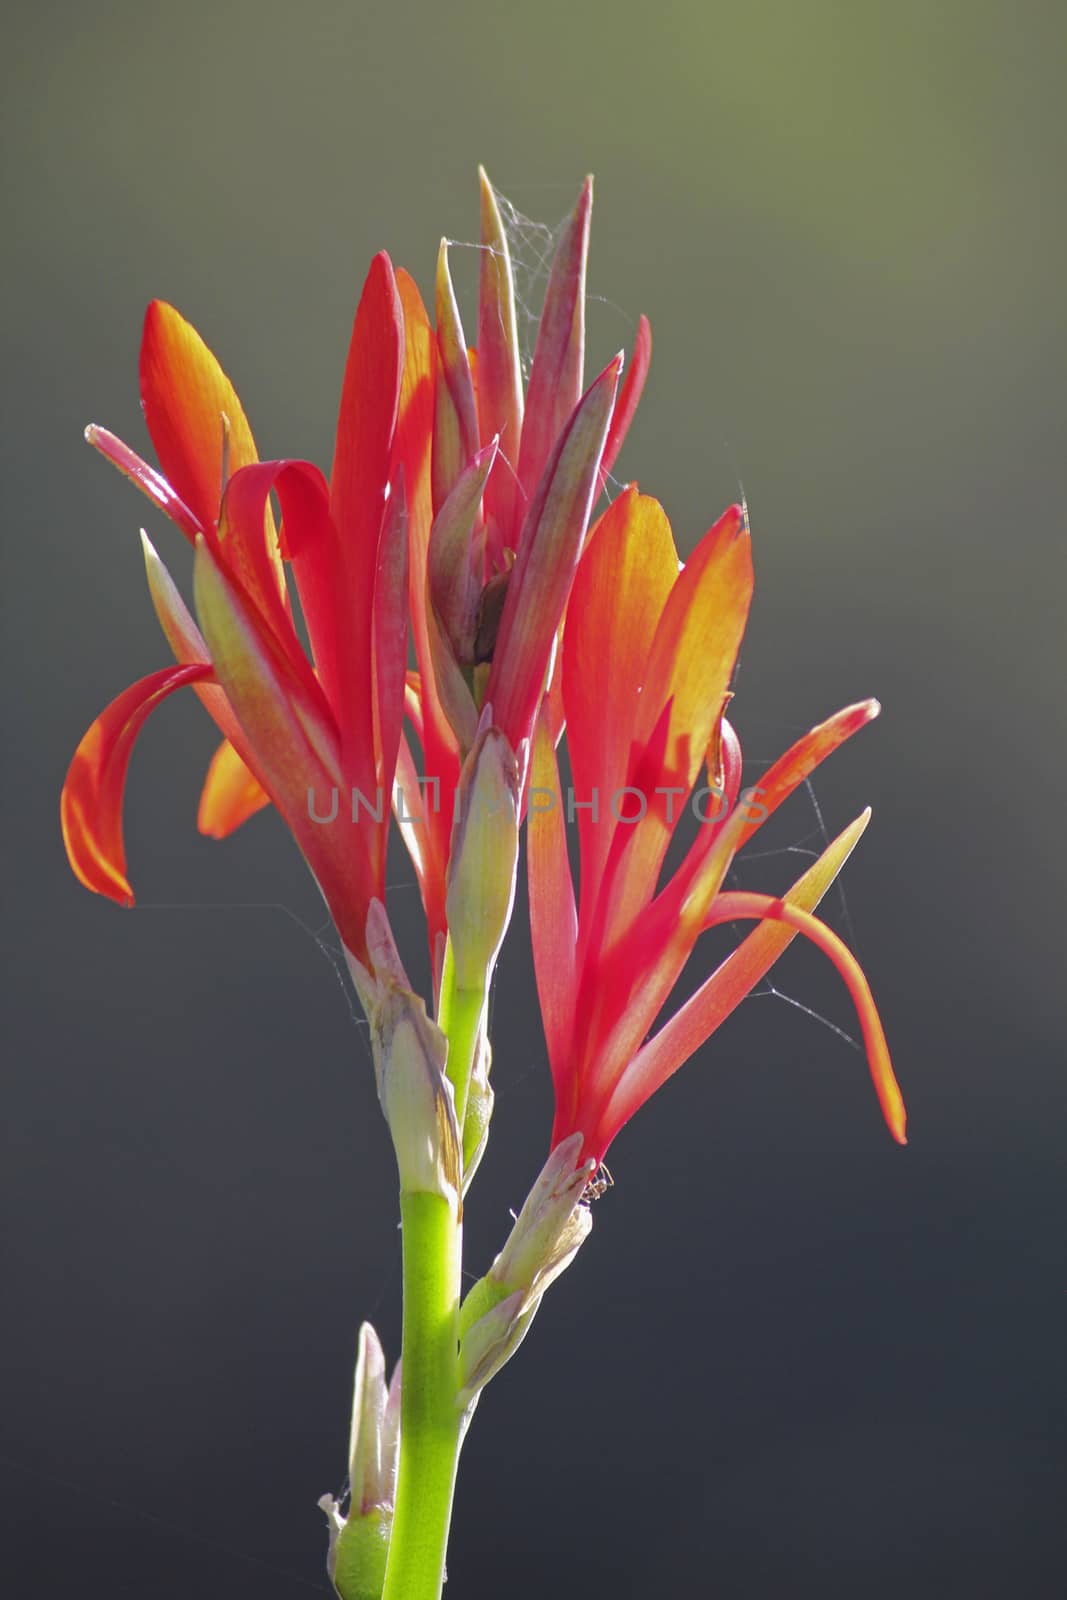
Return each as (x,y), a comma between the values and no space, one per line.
(549,549)
(91,803)
(231,794)
(555,384)
(633,385)
(294,740)
(499,374)
(390,633)
(190,407)
(367,418)
(334,575)
(439,757)
(248,543)
(455,424)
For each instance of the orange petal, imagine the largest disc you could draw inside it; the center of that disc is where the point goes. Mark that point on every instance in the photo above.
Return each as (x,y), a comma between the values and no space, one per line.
(91,803)
(191,408)
(755,907)
(231,794)
(790,770)
(621,587)
(697,641)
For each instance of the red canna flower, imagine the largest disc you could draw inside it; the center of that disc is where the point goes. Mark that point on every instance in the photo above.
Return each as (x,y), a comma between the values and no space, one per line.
(311,736)
(639,738)
(501,483)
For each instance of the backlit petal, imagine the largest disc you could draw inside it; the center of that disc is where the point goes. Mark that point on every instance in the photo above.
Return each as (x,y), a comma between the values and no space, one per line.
(231,794)
(192,411)
(620,589)
(755,907)
(91,803)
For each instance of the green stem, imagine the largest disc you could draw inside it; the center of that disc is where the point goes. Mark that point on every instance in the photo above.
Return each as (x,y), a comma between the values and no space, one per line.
(431,1426)
(461,1014)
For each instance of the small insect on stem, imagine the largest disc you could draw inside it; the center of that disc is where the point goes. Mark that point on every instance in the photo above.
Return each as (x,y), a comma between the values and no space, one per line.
(599,1184)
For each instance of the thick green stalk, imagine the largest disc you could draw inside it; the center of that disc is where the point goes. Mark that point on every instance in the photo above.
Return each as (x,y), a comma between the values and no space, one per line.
(431,1427)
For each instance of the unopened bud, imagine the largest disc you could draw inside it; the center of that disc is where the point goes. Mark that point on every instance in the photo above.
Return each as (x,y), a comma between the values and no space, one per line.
(552,1225)
(417,1098)
(483,856)
(359,1541)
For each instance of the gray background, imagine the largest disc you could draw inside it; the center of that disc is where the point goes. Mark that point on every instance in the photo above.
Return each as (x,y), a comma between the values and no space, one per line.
(793,1359)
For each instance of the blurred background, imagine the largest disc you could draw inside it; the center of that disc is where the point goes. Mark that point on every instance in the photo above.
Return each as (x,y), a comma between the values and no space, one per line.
(793,1359)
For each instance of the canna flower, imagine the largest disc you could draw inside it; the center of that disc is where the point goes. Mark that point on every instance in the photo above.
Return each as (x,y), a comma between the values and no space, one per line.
(317,737)
(647,740)
(501,483)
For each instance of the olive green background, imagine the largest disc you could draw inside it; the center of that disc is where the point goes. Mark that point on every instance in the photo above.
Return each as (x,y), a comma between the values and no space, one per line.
(792,1359)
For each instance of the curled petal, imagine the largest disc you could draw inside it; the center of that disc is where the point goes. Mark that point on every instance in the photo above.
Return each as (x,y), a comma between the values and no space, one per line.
(193,414)
(756,907)
(91,803)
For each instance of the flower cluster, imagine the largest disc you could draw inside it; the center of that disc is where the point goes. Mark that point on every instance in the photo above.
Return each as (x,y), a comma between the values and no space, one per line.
(468,609)
(456,516)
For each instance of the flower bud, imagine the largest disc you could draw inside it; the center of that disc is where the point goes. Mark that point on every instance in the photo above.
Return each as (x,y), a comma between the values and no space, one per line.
(359,1542)
(417,1098)
(483,856)
(553,1223)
